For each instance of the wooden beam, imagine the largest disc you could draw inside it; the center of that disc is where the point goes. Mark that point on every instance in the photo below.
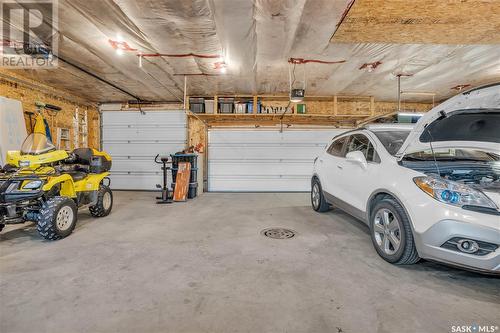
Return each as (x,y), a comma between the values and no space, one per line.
(335,105)
(372,106)
(255,101)
(216,105)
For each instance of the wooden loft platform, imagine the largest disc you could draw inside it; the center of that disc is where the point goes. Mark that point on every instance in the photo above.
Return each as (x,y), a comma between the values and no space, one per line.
(346,121)
(340,110)
(331,102)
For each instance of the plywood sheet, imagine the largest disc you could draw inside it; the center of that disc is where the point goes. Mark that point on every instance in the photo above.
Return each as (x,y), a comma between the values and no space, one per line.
(422,21)
(182,181)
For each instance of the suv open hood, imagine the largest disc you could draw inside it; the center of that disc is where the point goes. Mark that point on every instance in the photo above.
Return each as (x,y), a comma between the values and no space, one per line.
(468,120)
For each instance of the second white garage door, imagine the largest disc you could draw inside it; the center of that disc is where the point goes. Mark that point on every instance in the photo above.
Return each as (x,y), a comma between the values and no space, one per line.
(264,160)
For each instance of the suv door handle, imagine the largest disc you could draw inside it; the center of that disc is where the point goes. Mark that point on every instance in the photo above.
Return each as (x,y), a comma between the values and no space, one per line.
(338,166)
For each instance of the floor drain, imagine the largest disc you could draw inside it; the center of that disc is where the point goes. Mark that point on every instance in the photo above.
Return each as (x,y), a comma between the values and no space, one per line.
(278,233)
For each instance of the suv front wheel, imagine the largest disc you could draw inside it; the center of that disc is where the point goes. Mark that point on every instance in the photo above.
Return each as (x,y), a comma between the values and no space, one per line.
(391,233)
(318,201)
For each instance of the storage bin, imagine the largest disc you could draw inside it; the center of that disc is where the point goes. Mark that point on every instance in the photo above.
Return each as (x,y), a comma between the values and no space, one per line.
(250,107)
(191,158)
(209,106)
(226,105)
(301,108)
(240,107)
(197,104)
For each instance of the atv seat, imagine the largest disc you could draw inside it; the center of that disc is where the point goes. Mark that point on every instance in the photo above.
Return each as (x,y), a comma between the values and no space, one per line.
(77,175)
(97,161)
(83,155)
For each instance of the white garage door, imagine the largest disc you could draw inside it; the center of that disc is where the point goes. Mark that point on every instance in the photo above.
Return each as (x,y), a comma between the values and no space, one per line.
(133,140)
(264,159)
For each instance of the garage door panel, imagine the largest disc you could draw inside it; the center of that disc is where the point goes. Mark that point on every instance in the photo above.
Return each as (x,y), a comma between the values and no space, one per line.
(161,133)
(133,140)
(266,152)
(143,148)
(264,160)
(137,119)
(255,168)
(255,184)
(143,165)
(237,137)
(136,181)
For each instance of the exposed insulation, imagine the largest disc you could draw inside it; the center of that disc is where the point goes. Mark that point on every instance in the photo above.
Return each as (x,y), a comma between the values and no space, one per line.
(256,38)
(422,21)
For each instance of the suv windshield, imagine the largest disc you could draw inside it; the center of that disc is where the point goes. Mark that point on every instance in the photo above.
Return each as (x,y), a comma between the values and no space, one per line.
(392,140)
(36,143)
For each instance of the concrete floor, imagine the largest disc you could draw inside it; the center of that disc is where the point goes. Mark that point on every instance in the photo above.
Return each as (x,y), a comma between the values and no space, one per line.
(203,266)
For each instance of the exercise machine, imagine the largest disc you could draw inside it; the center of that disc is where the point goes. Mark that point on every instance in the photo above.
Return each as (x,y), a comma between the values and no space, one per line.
(165,195)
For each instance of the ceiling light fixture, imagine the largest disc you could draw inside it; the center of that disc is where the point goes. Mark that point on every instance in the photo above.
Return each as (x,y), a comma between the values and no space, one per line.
(119,52)
(221,66)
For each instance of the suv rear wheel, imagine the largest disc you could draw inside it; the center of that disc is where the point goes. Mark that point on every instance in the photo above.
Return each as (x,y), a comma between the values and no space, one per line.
(318,201)
(391,233)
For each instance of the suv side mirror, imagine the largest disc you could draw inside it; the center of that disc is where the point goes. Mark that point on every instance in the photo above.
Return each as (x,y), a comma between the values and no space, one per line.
(357,157)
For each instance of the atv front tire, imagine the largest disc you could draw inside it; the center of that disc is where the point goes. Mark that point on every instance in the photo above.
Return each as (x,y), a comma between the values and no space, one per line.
(104,202)
(57,218)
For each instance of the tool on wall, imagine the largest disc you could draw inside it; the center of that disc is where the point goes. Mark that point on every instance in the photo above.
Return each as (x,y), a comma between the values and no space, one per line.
(52,111)
(30,117)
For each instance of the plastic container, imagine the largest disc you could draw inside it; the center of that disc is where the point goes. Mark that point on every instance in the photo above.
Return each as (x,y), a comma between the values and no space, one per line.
(240,107)
(191,158)
(226,105)
(197,105)
(250,107)
(209,106)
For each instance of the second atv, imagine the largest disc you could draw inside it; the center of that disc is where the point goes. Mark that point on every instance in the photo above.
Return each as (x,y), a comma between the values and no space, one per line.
(48,186)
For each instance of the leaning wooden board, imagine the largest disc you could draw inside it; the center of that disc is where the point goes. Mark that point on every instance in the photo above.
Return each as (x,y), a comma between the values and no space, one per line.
(182,181)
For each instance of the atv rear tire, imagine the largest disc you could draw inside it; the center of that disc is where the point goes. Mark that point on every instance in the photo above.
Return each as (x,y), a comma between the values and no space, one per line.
(57,218)
(104,202)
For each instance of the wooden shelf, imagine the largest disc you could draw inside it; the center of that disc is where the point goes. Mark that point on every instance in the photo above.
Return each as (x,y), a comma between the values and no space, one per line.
(232,119)
(276,115)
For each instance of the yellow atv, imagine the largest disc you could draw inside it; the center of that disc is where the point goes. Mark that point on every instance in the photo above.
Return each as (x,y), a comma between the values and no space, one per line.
(48,186)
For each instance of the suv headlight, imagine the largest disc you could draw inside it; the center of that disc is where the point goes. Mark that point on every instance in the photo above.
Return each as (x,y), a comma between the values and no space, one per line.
(33,185)
(453,193)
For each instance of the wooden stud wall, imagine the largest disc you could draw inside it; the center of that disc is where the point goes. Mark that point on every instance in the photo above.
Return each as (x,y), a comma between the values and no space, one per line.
(28,92)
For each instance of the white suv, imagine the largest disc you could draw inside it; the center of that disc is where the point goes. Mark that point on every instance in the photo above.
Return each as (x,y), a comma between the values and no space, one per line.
(430,191)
